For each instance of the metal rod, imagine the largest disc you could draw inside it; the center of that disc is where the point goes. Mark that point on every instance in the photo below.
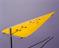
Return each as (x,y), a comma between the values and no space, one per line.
(46,42)
(11,38)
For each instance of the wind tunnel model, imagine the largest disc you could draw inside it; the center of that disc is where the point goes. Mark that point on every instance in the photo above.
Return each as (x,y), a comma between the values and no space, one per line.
(27,28)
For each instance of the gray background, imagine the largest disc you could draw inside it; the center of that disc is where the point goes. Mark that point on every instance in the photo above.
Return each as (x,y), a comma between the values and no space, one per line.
(16,11)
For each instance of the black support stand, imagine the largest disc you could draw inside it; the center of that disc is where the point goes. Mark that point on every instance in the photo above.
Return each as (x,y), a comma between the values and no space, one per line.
(11,38)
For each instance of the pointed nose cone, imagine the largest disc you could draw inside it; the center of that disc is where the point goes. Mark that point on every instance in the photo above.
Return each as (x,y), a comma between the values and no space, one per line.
(26,28)
(46,16)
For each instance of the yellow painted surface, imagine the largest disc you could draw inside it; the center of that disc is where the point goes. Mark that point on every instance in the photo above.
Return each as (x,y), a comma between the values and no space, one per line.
(27,28)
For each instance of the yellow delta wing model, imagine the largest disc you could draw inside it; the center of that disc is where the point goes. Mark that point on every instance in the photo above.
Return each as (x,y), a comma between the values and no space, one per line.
(27,28)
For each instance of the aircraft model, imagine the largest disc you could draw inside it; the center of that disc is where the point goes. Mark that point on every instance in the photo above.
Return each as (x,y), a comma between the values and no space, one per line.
(27,28)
